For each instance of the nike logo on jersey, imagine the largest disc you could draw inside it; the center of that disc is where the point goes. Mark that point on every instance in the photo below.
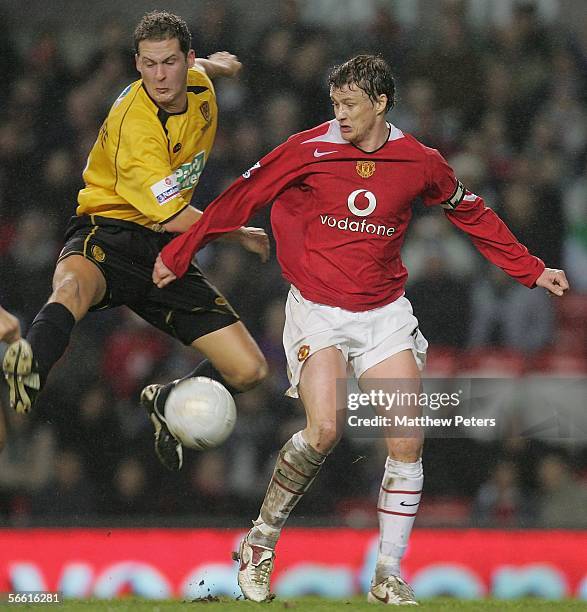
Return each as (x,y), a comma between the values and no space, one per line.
(403,503)
(321,153)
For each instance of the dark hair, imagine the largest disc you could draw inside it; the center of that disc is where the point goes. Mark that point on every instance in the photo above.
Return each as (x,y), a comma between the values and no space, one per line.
(161,25)
(371,73)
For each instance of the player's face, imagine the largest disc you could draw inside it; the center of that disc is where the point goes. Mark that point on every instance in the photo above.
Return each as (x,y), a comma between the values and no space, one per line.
(359,117)
(164,67)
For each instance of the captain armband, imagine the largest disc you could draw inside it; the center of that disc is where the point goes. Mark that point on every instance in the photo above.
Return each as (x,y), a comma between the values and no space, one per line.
(456,198)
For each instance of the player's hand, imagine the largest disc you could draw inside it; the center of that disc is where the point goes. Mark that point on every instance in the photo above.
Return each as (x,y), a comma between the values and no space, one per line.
(162,275)
(224,64)
(554,281)
(9,327)
(255,240)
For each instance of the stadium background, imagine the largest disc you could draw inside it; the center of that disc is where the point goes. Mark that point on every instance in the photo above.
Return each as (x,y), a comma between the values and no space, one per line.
(500,88)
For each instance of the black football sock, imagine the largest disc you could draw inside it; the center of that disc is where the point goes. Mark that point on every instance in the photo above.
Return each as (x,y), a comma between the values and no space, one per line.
(49,336)
(205,368)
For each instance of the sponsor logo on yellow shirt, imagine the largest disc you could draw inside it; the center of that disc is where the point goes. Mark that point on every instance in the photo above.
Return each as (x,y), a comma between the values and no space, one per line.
(188,174)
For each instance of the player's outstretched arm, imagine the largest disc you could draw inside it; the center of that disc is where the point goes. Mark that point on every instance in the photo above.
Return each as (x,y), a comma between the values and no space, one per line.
(253,239)
(9,327)
(554,281)
(219,64)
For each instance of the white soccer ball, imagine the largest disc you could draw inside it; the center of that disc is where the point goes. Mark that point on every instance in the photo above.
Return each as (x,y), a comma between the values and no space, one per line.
(200,412)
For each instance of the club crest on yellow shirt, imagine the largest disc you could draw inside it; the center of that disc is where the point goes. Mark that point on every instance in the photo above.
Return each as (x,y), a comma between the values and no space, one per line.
(205,110)
(303,352)
(365,168)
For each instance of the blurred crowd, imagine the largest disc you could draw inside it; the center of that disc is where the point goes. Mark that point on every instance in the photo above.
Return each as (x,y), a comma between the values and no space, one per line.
(504,104)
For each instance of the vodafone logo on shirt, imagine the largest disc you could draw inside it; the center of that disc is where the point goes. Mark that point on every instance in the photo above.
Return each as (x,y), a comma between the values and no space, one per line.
(356,204)
(371,199)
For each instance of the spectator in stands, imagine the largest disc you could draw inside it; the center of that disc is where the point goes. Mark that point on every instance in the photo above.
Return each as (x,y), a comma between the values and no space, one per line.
(69,495)
(501,501)
(562,498)
(501,315)
(26,465)
(130,493)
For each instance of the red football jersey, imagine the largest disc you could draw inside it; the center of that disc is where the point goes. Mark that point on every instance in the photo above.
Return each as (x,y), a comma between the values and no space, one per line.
(341,214)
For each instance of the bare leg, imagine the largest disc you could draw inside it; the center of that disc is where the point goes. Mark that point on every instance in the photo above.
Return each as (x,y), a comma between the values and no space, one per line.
(235,354)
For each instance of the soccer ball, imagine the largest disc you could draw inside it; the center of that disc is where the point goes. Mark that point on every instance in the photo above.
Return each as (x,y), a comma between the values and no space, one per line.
(200,412)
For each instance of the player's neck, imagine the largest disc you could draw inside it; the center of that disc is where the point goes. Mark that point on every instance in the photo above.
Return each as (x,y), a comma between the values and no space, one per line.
(375,138)
(178,105)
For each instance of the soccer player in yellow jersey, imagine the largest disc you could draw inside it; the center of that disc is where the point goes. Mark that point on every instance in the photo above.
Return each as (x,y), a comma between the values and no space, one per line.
(140,175)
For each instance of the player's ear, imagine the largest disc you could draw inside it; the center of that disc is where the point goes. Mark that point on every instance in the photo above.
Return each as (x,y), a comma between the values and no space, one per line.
(381,104)
(137,62)
(191,58)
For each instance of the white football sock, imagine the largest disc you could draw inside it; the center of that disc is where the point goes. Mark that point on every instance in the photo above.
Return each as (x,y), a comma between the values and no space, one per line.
(399,498)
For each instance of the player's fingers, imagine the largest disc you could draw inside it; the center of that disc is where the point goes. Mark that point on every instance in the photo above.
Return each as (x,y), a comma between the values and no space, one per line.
(166,278)
(267,249)
(562,280)
(554,289)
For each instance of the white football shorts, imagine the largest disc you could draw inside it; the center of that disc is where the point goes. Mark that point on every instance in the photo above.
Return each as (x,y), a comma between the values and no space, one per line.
(364,338)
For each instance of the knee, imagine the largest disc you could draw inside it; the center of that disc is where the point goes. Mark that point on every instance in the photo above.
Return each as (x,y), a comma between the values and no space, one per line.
(67,287)
(323,436)
(408,450)
(249,375)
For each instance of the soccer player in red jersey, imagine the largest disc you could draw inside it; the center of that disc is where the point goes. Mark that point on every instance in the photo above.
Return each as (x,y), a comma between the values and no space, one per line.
(343,195)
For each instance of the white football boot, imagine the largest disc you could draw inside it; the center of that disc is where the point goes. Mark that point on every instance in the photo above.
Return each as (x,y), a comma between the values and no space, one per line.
(254,572)
(392,591)
(22,375)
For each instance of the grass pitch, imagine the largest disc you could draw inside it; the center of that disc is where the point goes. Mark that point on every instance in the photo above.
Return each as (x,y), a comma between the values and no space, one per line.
(302,604)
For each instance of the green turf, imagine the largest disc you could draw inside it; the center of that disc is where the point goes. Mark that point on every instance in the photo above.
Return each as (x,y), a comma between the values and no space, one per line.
(301,604)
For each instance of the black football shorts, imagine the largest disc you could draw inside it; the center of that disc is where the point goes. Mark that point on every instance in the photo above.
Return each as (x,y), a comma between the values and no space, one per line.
(125,252)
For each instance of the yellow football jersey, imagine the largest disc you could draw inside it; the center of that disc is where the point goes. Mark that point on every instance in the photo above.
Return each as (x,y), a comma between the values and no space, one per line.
(146,162)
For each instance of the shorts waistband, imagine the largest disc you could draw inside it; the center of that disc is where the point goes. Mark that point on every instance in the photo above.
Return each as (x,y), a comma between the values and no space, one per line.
(84,220)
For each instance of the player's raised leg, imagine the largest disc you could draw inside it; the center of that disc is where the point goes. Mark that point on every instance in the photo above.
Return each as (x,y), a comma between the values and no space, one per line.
(297,466)
(401,486)
(77,285)
(232,358)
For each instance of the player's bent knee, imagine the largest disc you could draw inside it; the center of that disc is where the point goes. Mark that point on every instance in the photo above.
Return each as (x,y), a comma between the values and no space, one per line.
(249,375)
(73,293)
(67,288)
